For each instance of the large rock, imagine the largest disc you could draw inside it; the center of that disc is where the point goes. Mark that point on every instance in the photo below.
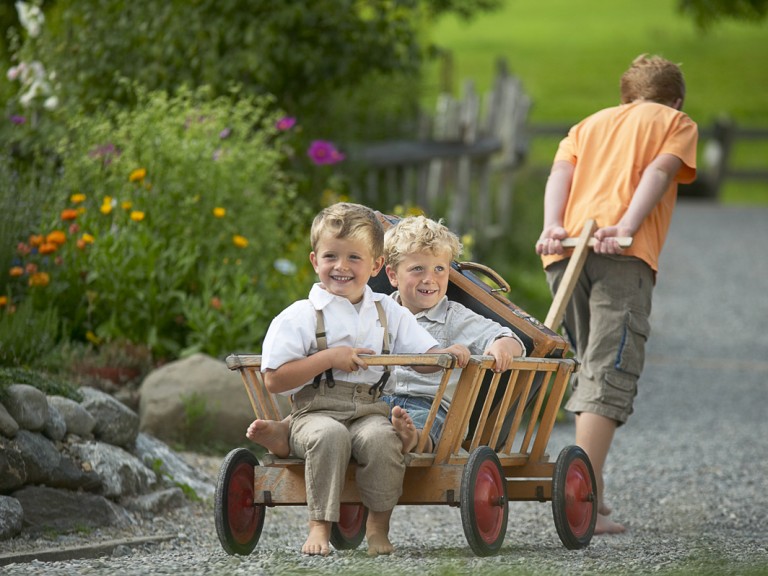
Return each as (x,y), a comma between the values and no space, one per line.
(13,470)
(11,517)
(115,422)
(73,510)
(195,398)
(27,405)
(8,426)
(121,473)
(77,419)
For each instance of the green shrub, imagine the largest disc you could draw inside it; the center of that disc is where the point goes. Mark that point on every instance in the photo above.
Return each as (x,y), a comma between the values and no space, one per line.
(176,206)
(27,334)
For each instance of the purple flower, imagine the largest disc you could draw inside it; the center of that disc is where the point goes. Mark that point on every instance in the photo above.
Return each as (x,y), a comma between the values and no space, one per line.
(18,119)
(105,152)
(285,123)
(324,152)
(224,134)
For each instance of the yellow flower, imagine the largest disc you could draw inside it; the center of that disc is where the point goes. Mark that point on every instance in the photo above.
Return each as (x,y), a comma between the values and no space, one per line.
(240,241)
(39,279)
(137,216)
(92,338)
(87,238)
(77,198)
(127,205)
(106,205)
(138,175)
(219,212)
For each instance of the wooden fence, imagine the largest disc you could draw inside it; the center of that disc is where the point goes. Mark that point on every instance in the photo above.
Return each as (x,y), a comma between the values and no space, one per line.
(464,171)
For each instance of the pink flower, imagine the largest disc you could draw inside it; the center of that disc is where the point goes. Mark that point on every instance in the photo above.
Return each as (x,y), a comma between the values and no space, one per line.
(285,123)
(324,152)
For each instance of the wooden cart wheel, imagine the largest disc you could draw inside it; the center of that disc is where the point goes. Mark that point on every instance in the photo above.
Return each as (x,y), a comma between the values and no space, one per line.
(484,510)
(238,520)
(349,531)
(574,498)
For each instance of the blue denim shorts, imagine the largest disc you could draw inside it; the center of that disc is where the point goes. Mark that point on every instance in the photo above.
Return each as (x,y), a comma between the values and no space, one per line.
(418,409)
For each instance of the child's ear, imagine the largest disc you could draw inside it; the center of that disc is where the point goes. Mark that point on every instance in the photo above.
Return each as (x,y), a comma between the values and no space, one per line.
(392,275)
(377,264)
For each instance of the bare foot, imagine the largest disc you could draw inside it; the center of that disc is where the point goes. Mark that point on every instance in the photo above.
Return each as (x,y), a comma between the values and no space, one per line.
(605,525)
(272,434)
(604,509)
(405,429)
(377,533)
(319,539)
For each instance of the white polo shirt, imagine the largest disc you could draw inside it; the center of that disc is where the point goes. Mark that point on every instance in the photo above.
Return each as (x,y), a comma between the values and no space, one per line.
(292,334)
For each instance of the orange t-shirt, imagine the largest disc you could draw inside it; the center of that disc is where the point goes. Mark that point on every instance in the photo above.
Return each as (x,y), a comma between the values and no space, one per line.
(610,150)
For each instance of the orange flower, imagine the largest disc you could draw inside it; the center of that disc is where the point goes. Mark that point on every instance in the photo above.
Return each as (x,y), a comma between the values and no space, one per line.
(240,241)
(39,279)
(16,271)
(3,301)
(69,214)
(48,248)
(216,303)
(138,175)
(56,237)
(36,240)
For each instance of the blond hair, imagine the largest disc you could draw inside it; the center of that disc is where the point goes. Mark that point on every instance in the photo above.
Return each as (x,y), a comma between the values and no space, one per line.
(347,220)
(419,234)
(652,78)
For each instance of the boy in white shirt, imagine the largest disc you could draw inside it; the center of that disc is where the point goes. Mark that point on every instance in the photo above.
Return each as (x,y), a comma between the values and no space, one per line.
(312,352)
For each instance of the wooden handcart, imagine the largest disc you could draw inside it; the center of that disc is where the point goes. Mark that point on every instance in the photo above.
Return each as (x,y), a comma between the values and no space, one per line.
(492,449)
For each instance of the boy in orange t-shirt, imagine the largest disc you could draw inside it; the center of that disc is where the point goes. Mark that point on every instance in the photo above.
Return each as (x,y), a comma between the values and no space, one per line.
(620,167)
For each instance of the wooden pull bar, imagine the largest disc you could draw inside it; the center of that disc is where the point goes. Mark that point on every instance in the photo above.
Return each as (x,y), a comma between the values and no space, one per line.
(624,242)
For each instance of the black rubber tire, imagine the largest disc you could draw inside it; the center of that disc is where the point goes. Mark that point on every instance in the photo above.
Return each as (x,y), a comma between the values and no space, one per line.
(349,531)
(574,498)
(484,509)
(238,520)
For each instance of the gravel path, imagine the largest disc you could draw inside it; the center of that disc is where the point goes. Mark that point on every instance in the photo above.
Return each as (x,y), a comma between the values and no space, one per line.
(686,474)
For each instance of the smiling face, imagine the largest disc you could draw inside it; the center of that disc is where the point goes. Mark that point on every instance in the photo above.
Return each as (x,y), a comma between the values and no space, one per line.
(344,265)
(421,278)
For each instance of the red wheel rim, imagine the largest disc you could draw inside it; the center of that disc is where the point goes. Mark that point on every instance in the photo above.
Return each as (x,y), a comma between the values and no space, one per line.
(351,520)
(242,515)
(578,498)
(488,503)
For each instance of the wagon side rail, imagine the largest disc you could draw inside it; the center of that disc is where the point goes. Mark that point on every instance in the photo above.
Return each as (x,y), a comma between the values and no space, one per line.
(517,413)
(265,404)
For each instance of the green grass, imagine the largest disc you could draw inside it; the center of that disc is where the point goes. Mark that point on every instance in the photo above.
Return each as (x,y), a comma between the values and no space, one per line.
(570,55)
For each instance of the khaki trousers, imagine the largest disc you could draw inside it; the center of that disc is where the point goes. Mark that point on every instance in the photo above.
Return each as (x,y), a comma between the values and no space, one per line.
(331,425)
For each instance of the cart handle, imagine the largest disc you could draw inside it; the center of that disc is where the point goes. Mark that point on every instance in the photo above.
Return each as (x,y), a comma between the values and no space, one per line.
(573,270)
(489,272)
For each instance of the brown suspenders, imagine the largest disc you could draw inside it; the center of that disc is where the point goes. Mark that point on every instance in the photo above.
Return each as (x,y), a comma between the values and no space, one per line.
(322,344)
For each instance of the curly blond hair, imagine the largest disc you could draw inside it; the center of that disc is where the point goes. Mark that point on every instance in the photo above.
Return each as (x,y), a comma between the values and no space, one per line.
(652,78)
(419,234)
